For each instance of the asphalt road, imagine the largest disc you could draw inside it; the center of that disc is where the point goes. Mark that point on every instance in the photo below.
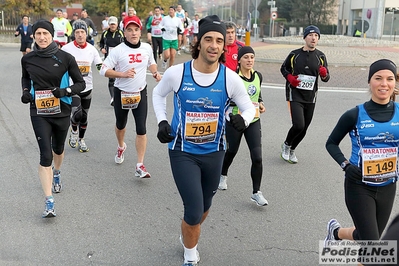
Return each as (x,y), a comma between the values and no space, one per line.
(105,216)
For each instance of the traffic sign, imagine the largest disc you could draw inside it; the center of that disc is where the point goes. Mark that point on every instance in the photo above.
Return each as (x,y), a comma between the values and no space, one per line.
(274,15)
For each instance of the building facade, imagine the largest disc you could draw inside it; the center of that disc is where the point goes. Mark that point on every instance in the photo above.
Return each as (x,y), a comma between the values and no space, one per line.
(372,18)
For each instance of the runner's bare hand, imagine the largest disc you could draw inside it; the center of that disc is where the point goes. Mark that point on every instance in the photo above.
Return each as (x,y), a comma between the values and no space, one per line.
(130,73)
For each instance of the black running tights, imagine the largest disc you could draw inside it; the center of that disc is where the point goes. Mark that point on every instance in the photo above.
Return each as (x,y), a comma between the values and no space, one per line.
(369,207)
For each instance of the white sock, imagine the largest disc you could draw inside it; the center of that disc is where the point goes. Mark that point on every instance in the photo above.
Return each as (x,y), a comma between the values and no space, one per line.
(139,164)
(190,254)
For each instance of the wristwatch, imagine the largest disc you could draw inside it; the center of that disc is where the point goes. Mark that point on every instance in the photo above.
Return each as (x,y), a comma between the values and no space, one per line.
(344,164)
(69,91)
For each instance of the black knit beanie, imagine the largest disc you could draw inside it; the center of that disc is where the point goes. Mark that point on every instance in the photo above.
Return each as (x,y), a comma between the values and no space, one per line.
(244,50)
(381,65)
(211,23)
(44,24)
(311,29)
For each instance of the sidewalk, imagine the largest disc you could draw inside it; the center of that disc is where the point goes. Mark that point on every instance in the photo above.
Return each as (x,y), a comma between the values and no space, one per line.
(348,58)
(339,50)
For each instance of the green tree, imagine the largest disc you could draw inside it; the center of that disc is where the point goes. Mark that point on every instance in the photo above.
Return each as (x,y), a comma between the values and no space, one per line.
(306,11)
(315,11)
(286,9)
(34,7)
(114,7)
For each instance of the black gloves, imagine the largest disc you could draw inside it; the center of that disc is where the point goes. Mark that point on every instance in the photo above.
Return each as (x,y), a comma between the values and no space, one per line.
(164,132)
(59,93)
(353,172)
(238,122)
(26,97)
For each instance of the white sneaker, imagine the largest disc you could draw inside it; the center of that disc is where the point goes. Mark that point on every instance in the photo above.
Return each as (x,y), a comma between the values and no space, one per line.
(49,209)
(285,152)
(178,52)
(293,158)
(57,185)
(223,182)
(119,157)
(82,146)
(164,64)
(111,102)
(189,262)
(259,199)
(331,227)
(141,172)
(73,139)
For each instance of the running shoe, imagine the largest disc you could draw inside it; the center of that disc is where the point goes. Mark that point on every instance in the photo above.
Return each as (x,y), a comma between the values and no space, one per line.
(198,256)
(178,52)
(57,185)
(141,172)
(190,263)
(73,139)
(259,199)
(49,209)
(293,158)
(285,152)
(223,182)
(331,227)
(83,146)
(119,157)
(164,64)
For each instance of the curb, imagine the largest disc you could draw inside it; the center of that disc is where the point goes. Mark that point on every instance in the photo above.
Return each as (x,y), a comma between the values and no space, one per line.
(10,44)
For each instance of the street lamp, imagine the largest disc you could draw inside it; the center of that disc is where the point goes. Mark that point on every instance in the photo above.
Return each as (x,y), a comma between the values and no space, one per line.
(235,10)
(256,23)
(230,12)
(363,19)
(242,11)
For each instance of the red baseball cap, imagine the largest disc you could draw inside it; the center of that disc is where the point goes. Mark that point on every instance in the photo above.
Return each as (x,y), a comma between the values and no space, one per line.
(123,13)
(132,20)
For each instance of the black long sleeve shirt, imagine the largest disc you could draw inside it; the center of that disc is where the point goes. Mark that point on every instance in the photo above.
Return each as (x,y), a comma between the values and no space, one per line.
(110,39)
(47,73)
(347,122)
(303,62)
